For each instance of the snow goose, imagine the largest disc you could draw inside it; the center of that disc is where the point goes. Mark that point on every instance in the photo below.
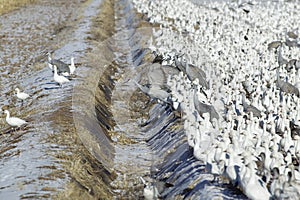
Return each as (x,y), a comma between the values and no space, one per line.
(286,86)
(62,68)
(72,66)
(58,78)
(14,121)
(194,72)
(249,108)
(252,185)
(21,95)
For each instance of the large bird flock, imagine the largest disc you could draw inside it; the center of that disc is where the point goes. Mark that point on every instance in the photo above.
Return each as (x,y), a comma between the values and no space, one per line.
(242,116)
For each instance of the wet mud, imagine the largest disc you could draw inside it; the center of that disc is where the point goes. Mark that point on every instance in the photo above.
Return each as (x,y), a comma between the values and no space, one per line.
(45,159)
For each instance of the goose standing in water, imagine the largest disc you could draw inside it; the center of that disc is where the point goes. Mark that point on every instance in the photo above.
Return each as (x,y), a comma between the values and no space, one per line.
(49,61)
(62,67)
(70,71)
(58,78)
(21,95)
(72,66)
(14,121)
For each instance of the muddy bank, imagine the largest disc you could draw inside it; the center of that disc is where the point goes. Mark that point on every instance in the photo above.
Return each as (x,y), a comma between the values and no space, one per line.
(8,5)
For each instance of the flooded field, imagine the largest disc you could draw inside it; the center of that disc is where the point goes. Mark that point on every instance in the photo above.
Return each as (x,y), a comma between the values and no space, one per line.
(45,159)
(97,135)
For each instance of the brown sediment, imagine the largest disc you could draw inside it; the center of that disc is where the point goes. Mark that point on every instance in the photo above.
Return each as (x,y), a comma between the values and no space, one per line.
(103,98)
(103,28)
(89,179)
(103,24)
(7,6)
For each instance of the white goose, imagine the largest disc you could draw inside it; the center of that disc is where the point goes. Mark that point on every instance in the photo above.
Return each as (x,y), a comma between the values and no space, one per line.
(72,66)
(14,121)
(71,70)
(58,78)
(252,185)
(49,61)
(21,95)
(62,68)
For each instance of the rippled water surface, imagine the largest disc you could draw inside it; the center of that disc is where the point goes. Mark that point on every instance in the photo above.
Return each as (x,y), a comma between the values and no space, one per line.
(29,164)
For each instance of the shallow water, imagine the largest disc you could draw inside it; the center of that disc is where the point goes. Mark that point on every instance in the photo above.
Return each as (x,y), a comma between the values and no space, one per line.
(29,168)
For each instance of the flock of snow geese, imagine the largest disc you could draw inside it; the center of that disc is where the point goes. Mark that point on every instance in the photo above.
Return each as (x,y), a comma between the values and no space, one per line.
(61,72)
(237,87)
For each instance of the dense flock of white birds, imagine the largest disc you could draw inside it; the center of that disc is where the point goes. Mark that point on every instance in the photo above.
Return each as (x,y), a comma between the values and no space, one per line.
(258,152)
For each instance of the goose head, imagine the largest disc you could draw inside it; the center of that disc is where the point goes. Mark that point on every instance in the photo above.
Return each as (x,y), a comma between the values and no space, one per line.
(6,112)
(49,56)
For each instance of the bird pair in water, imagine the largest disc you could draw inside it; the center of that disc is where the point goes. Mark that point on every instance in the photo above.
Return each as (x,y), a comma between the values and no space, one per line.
(14,121)
(61,70)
